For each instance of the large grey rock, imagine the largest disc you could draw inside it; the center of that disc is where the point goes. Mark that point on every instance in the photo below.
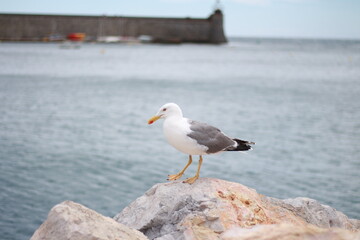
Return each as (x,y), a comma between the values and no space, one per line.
(72,221)
(210,208)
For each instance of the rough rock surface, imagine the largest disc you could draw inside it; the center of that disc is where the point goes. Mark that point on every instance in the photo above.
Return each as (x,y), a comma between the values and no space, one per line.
(217,209)
(72,221)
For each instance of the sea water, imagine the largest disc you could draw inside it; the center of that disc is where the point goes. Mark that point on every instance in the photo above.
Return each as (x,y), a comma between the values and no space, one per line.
(73,122)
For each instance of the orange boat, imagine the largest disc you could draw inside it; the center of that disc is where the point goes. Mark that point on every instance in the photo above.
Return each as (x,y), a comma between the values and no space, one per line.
(76,37)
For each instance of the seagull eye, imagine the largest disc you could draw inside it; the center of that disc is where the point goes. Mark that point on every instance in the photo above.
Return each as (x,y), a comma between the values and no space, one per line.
(164,109)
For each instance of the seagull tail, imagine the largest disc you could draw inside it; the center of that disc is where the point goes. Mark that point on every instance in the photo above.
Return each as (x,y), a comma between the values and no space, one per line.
(241,145)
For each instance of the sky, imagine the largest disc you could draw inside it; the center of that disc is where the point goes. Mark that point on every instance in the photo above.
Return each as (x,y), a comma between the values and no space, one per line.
(335,19)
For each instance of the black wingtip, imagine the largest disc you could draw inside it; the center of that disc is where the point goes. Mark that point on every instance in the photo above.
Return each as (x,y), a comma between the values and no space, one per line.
(242,145)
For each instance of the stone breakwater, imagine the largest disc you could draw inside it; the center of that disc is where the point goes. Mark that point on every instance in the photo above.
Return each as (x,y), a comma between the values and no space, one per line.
(208,209)
(41,27)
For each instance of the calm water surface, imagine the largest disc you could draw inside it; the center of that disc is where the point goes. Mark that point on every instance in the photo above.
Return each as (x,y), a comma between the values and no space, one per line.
(73,121)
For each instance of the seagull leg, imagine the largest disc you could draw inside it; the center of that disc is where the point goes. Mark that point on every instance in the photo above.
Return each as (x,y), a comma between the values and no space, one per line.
(178,175)
(193,179)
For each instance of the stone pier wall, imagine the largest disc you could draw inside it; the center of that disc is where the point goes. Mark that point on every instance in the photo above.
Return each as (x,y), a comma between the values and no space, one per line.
(30,27)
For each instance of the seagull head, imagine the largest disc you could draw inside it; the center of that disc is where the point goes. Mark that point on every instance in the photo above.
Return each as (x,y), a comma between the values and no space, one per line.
(167,110)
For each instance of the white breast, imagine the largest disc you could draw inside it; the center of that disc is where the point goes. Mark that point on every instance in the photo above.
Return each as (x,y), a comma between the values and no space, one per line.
(176,130)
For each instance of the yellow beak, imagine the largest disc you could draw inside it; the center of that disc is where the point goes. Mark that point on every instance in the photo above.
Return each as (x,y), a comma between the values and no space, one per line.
(153,119)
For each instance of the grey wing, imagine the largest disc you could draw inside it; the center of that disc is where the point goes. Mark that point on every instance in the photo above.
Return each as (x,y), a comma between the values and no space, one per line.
(209,136)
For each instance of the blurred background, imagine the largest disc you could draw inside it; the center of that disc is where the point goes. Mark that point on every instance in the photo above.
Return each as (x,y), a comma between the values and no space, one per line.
(73,120)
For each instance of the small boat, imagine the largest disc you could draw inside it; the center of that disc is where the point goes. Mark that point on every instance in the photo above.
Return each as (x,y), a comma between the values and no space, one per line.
(76,37)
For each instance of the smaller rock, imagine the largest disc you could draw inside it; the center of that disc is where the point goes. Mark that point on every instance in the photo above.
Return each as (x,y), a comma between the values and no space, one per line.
(72,221)
(317,214)
(285,231)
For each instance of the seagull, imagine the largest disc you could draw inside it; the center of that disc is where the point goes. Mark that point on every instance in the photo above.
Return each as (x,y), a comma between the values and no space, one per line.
(194,138)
